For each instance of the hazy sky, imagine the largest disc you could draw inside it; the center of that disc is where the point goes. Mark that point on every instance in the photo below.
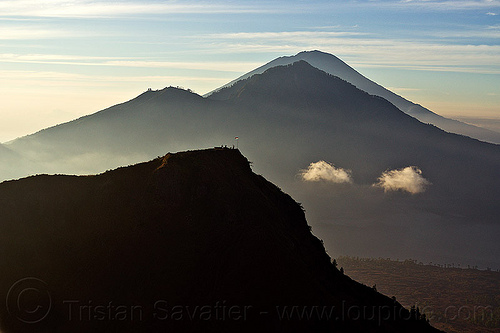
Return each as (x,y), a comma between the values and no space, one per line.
(60,59)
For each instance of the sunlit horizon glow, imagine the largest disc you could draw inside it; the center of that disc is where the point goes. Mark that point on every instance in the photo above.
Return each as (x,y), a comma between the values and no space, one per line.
(61,59)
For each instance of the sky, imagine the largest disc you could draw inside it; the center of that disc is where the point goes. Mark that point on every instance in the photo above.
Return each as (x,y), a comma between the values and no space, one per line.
(62,59)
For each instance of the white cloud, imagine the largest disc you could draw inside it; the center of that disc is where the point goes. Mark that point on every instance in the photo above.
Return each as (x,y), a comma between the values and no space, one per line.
(491,14)
(369,51)
(216,66)
(20,33)
(324,171)
(50,57)
(444,5)
(89,8)
(57,59)
(408,179)
(51,79)
(301,35)
(107,8)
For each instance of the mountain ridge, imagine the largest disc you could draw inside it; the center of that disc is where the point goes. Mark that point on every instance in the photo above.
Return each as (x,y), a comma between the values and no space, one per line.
(307,90)
(333,65)
(191,228)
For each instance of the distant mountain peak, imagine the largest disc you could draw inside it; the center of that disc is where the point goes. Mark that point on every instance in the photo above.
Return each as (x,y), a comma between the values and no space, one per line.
(298,75)
(335,66)
(312,51)
(170,92)
(309,91)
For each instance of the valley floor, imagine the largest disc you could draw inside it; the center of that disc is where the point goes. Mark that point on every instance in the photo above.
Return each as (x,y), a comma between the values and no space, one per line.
(455,299)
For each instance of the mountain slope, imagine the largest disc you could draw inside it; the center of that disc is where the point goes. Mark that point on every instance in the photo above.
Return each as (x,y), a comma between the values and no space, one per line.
(333,65)
(310,101)
(122,134)
(189,229)
(4,152)
(13,165)
(289,117)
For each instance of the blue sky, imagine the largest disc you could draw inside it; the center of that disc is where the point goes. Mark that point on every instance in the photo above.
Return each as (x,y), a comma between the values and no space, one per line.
(60,59)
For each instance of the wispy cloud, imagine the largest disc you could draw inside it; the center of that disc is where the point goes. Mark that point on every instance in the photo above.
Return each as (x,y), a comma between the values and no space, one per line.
(56,59)
(363,50)
(50,78)
(213,66)
(443,5)
(50,57)
(479,34)
(36,33)
(491,14)
(107,8)
(298,35)
(89,8)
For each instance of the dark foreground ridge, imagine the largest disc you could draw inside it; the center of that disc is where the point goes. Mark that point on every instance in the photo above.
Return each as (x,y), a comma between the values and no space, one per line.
(192,241)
